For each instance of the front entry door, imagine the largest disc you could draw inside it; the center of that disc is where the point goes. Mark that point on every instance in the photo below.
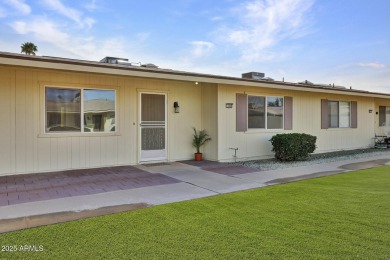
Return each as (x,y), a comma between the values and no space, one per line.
(153,127)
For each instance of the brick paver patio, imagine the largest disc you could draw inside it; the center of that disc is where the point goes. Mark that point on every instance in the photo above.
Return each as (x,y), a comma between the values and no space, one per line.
(53,185)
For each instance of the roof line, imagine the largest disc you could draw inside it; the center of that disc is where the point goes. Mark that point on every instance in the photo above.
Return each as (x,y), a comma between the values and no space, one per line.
(177,72)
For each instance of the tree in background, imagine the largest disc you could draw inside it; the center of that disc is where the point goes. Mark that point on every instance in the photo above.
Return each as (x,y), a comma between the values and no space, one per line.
(29,48)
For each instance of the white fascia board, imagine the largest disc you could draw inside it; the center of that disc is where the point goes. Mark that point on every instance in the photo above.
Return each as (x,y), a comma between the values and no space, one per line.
(177,75)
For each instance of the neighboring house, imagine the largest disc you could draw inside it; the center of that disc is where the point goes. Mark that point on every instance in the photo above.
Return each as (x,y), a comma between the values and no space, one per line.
(67,114)
(99,115)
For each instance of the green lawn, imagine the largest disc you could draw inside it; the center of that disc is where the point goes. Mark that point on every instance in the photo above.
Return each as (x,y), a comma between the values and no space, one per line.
(345,216)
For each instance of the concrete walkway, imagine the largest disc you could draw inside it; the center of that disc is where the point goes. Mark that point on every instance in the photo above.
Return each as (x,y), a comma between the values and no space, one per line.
(189,182)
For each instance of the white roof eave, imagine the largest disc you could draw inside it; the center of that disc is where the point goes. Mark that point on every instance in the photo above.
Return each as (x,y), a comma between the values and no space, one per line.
(95,67)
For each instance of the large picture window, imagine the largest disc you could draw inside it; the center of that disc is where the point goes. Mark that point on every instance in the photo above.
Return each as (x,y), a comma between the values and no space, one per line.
(79,110)
(265,112)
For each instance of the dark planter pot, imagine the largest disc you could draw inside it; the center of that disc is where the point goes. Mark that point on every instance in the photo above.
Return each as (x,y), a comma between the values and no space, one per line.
(198,156)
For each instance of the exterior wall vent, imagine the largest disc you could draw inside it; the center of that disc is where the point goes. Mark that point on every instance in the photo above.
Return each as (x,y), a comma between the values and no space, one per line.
(253,75)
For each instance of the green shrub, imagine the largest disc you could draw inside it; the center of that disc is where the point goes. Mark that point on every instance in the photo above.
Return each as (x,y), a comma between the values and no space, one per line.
(293,147)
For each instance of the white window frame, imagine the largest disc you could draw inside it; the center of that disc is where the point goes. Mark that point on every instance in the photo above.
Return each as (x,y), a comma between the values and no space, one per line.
(82,132)
(265,113)
(338,116)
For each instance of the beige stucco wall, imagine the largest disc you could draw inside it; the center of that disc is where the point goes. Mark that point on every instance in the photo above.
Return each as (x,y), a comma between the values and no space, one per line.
(26,148)
(7,121)
(306,119)
(210,119)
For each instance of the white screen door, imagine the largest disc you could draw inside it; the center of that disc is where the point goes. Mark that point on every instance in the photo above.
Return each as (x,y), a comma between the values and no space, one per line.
(153,127)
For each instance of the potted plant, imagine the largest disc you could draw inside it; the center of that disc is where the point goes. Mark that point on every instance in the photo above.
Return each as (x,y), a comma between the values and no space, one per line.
(199,139)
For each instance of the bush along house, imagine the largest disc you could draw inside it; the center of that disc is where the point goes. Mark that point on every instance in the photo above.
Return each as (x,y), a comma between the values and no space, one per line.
(60,114)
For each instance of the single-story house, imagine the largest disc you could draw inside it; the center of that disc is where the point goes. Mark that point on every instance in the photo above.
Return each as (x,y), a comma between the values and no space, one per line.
(59,114)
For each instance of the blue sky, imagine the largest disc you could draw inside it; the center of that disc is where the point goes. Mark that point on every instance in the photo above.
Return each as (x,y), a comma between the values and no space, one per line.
(345,42)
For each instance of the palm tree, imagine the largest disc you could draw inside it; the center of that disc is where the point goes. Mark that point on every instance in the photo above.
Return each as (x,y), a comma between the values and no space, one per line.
(29,48)
(199,139)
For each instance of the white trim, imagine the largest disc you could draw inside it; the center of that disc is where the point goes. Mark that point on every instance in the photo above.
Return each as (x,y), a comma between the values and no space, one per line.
(152,91)
(77,134)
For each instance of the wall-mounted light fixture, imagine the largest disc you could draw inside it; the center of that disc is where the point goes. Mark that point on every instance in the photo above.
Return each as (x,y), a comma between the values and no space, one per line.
(176,107)
(229,105)
(370,111)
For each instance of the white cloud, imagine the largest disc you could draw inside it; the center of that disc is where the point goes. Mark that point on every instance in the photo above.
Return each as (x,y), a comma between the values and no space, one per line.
(201,48)
(142,36)
(68,12)
(91,6)
(372,65)
(216,18)
(42,29)
(265,23)
(63,44)
(19,5)
(89,22)
(2,12)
